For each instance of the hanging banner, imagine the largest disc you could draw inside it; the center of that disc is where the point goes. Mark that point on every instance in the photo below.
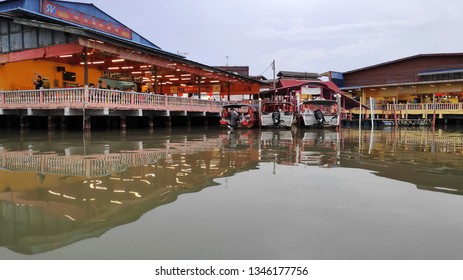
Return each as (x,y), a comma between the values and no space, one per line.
(311,90)
(52,9)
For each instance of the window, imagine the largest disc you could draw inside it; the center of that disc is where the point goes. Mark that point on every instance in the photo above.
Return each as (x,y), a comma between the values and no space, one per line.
(3,27)
(30,38)
(58,37)
(16,41)
(15,37)
(5,47)
(45,37)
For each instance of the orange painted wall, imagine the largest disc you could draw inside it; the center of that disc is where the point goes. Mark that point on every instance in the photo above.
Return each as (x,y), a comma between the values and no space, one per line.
(237,89)
(18,75)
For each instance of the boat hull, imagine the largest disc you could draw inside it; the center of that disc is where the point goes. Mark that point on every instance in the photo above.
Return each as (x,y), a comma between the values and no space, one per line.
(286,120)
(309,120)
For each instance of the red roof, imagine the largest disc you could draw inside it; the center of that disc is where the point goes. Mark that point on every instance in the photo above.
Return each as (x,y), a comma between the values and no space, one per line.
(288,85)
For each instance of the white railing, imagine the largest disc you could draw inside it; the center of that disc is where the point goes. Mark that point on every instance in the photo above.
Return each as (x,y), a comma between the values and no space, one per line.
(417,107)
(76,97)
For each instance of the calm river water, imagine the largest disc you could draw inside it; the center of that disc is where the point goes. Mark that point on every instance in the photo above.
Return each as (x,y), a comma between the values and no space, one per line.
(247,194)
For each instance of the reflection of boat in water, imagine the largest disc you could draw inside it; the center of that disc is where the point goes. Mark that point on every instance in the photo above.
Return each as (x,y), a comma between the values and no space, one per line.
(56,207)
(277,114)
(276,146)
(319,113)
(239,115)
(280,137)
(320,148)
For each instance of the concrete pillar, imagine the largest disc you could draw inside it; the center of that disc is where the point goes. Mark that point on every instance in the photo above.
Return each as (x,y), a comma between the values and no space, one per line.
(123,123)
(188,121)
(168,122)
(87,123)
(63,123)
(108,123)
(150,122)
(51,123)
(22,122)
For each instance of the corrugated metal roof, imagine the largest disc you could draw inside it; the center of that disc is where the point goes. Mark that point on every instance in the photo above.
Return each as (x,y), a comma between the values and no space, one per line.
(403,59)
(29,8)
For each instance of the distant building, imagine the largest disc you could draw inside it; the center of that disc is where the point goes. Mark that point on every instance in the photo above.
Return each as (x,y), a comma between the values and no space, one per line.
(239,70)
(284,75)
(414,79)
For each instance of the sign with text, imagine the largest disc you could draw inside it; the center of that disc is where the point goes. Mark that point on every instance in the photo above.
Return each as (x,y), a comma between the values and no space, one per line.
(52,9)
(194,89)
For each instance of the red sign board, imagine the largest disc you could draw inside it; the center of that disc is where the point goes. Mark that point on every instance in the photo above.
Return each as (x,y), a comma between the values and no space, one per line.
(71,15)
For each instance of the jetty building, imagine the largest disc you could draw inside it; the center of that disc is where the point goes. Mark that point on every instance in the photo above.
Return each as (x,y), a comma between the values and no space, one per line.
(89,60)
(413,87)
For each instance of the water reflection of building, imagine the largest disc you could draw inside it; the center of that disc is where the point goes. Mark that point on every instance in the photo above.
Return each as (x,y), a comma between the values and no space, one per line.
(43,210)
(430,161)
(49,199)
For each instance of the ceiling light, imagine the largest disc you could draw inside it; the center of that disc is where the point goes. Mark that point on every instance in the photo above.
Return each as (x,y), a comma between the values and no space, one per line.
(118,60)
(66,55)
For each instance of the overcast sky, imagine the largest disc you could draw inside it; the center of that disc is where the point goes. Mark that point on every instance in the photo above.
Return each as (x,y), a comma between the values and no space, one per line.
(301,35)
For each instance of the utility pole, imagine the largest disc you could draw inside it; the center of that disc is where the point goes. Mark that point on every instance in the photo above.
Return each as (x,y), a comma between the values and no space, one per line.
(274,82)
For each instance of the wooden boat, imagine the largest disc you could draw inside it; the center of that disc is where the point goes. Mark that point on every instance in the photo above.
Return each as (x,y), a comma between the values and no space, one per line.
(319,113)
(239,115)
(277,114)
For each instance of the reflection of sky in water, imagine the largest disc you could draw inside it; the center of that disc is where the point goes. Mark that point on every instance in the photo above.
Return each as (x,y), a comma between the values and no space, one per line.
(290,210)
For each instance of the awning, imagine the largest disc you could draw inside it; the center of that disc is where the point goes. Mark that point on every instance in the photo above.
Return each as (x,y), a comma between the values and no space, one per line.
(26,55)
(63,49)
(3,58)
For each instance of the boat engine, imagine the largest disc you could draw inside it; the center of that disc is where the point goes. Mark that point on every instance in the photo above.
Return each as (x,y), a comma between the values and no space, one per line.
(319,116)
(276,117)
(234,118)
